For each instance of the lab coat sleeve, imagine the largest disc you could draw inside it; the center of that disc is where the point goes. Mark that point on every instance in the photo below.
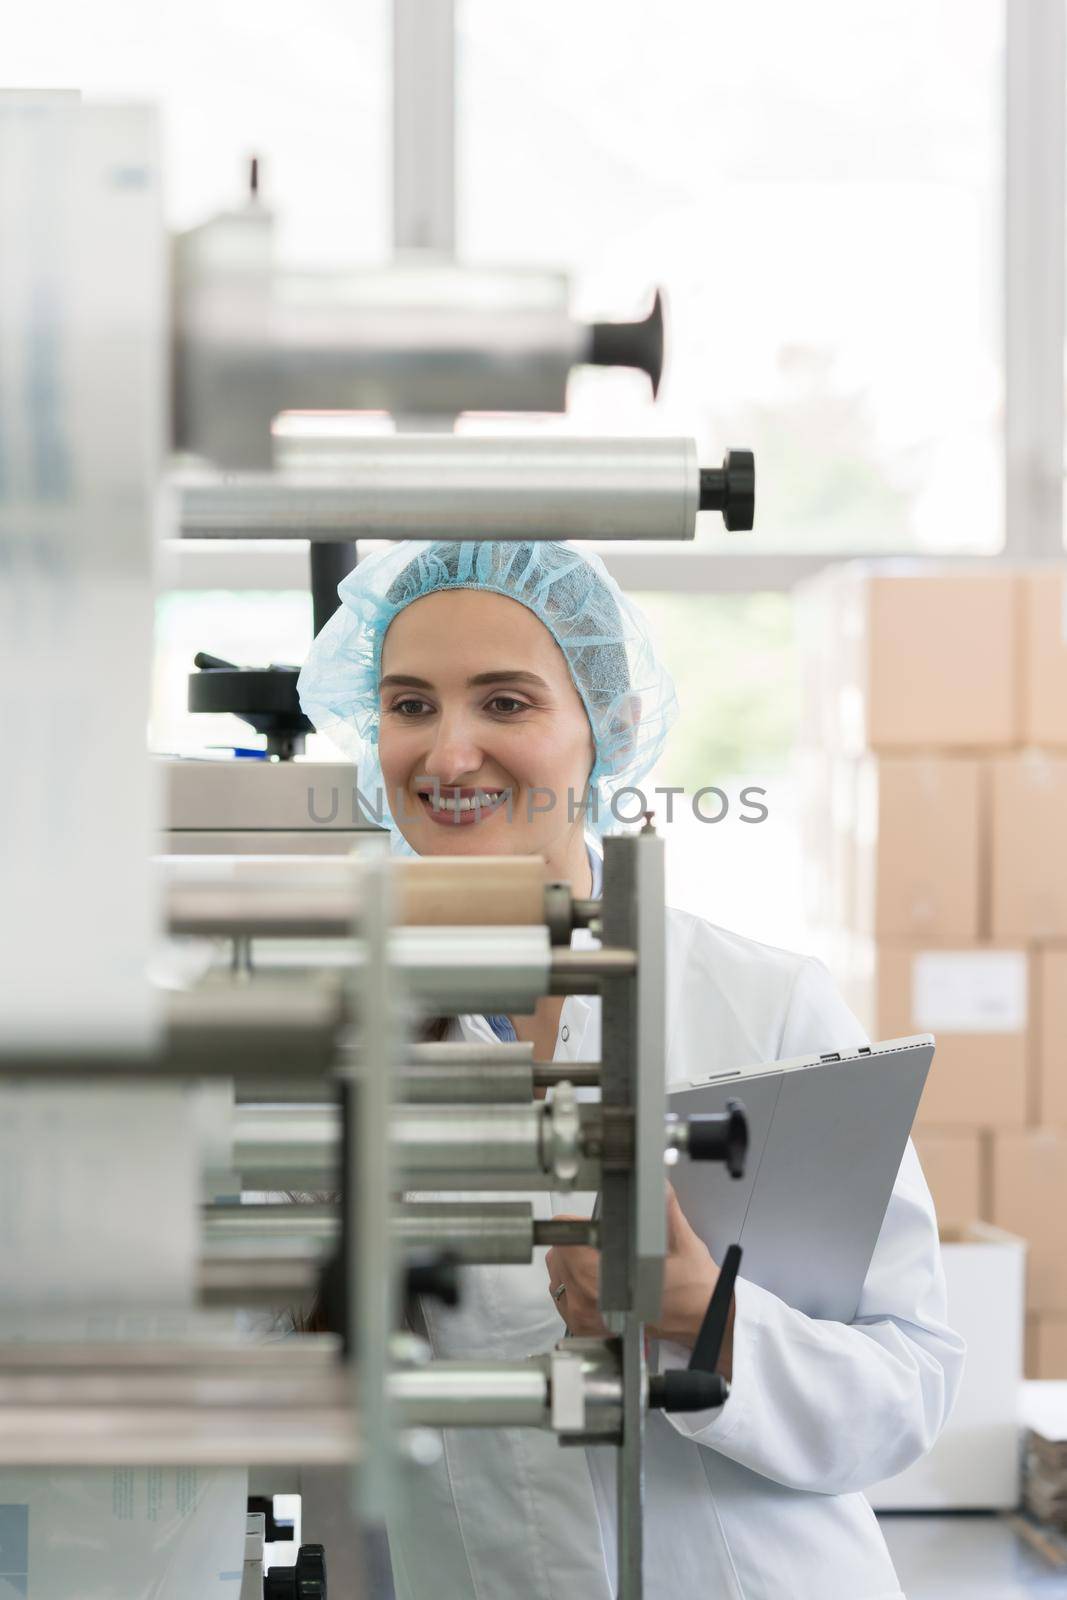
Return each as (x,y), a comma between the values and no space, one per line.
(829,1406)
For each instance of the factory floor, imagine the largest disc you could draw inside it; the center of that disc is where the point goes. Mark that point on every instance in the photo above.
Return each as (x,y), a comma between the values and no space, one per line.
(970,1556)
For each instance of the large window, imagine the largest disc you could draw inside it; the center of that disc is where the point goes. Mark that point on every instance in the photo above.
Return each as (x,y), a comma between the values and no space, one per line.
(818,189)
(308,92)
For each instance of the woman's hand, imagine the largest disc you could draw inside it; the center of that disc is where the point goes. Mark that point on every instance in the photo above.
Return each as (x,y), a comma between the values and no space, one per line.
(576,1269)
(689,1278)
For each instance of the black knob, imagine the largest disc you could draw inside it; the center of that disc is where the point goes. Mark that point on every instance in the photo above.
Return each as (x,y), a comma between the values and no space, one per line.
(731,489)
(311,1573)
(722,1136)
(686,1390)
(305,1581)
(434,1273)
(631,344)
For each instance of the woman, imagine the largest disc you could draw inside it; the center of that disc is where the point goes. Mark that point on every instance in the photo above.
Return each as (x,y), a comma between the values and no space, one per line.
(472,682)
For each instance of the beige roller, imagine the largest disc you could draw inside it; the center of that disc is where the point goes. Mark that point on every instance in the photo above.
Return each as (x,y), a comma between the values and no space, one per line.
(479,891)
(319,896)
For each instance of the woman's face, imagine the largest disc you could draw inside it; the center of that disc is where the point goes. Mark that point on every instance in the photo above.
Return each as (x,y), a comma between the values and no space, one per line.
(477,700)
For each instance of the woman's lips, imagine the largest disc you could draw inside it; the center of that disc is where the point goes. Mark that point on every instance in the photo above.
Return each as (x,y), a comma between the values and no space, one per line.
(447,818)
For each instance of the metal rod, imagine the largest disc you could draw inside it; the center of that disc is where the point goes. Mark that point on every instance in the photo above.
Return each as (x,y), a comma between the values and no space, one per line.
(330,562)
(566,1233)
(296,1221)
(469,1394)
(463,1052)
(439,486)
(583,1074)
(471,1085)
(476,1231)
(257,1280)
(424,115)
(469,1140)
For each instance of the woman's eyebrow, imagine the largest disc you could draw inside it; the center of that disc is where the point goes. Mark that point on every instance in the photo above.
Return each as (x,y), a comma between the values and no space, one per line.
(407,680)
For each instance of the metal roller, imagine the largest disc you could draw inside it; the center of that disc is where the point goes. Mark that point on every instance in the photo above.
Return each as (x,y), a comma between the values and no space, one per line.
(510,1084)
(474,1231)
(252,339)
(471,1394)
(438,486)
(302,896)
(478,1232)
(537,1146)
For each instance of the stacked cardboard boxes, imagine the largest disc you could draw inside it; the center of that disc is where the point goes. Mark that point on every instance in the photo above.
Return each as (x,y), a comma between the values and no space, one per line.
(934,777)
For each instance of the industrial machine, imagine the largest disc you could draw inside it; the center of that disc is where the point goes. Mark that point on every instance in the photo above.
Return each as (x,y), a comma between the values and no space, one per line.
(193,1144)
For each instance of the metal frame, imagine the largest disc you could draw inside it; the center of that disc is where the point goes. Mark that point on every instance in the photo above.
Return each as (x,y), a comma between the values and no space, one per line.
(1035,94)
(424,125)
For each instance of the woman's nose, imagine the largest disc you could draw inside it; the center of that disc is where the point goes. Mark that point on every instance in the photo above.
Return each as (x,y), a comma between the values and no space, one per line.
(454,753)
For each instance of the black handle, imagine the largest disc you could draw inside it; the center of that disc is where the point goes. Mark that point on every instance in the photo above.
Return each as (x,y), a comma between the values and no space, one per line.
(722,1136)
(685,1390)
(631,344)
(305,1581)
(708,1345)
(433,1273)
(209,663)
(699,1387)
(731,489)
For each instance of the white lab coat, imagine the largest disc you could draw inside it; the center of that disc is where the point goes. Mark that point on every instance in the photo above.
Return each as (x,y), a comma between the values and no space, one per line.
(761,1499)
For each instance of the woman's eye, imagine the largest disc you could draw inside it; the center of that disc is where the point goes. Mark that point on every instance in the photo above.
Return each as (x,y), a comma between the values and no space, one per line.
(409,707)
(507,704)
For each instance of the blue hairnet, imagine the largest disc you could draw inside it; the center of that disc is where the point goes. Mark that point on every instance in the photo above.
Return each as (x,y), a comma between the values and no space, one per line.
(627,694)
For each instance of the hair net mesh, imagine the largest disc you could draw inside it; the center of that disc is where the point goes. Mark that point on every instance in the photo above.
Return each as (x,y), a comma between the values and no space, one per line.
(628,695)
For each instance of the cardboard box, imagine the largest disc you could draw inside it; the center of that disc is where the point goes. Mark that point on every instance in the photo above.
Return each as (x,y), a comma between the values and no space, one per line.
(1028,808)
(927,659)
(918,848)
(1043,618)
(1029,1194)
(975,1463)
(1046,1346)
(976,1002)
(954,1165)
(1051,1037)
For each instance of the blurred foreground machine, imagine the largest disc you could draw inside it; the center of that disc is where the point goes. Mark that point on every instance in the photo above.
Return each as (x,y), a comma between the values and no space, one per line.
(155,1132)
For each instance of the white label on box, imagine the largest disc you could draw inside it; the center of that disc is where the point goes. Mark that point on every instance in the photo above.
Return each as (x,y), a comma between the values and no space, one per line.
(969,991)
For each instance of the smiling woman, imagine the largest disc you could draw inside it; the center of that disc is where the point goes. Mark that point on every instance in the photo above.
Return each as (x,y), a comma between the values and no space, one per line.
(454,669)
(502,695)
(477,758)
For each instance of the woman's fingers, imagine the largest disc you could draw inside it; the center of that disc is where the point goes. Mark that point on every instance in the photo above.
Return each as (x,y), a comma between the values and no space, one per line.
(678,1229)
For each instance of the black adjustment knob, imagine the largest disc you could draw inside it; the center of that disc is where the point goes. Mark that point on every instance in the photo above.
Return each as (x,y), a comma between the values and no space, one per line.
(731,489)
(722,1136)
(311,1572)
(631,344)
(433,1273)
(305,1581)
(686,1390)
(264,697)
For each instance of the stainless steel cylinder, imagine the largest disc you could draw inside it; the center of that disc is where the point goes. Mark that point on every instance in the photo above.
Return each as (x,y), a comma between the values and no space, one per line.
(508,1084)
(468,1142)
(264,1280)
(475,1231)
(438,486)
(414,339)
(289,1147)
(455,970)
(299,1226)
(462,1052)
(448,1394)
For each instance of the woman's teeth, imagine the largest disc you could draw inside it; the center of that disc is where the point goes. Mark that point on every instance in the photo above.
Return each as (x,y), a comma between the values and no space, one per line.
(440,803)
